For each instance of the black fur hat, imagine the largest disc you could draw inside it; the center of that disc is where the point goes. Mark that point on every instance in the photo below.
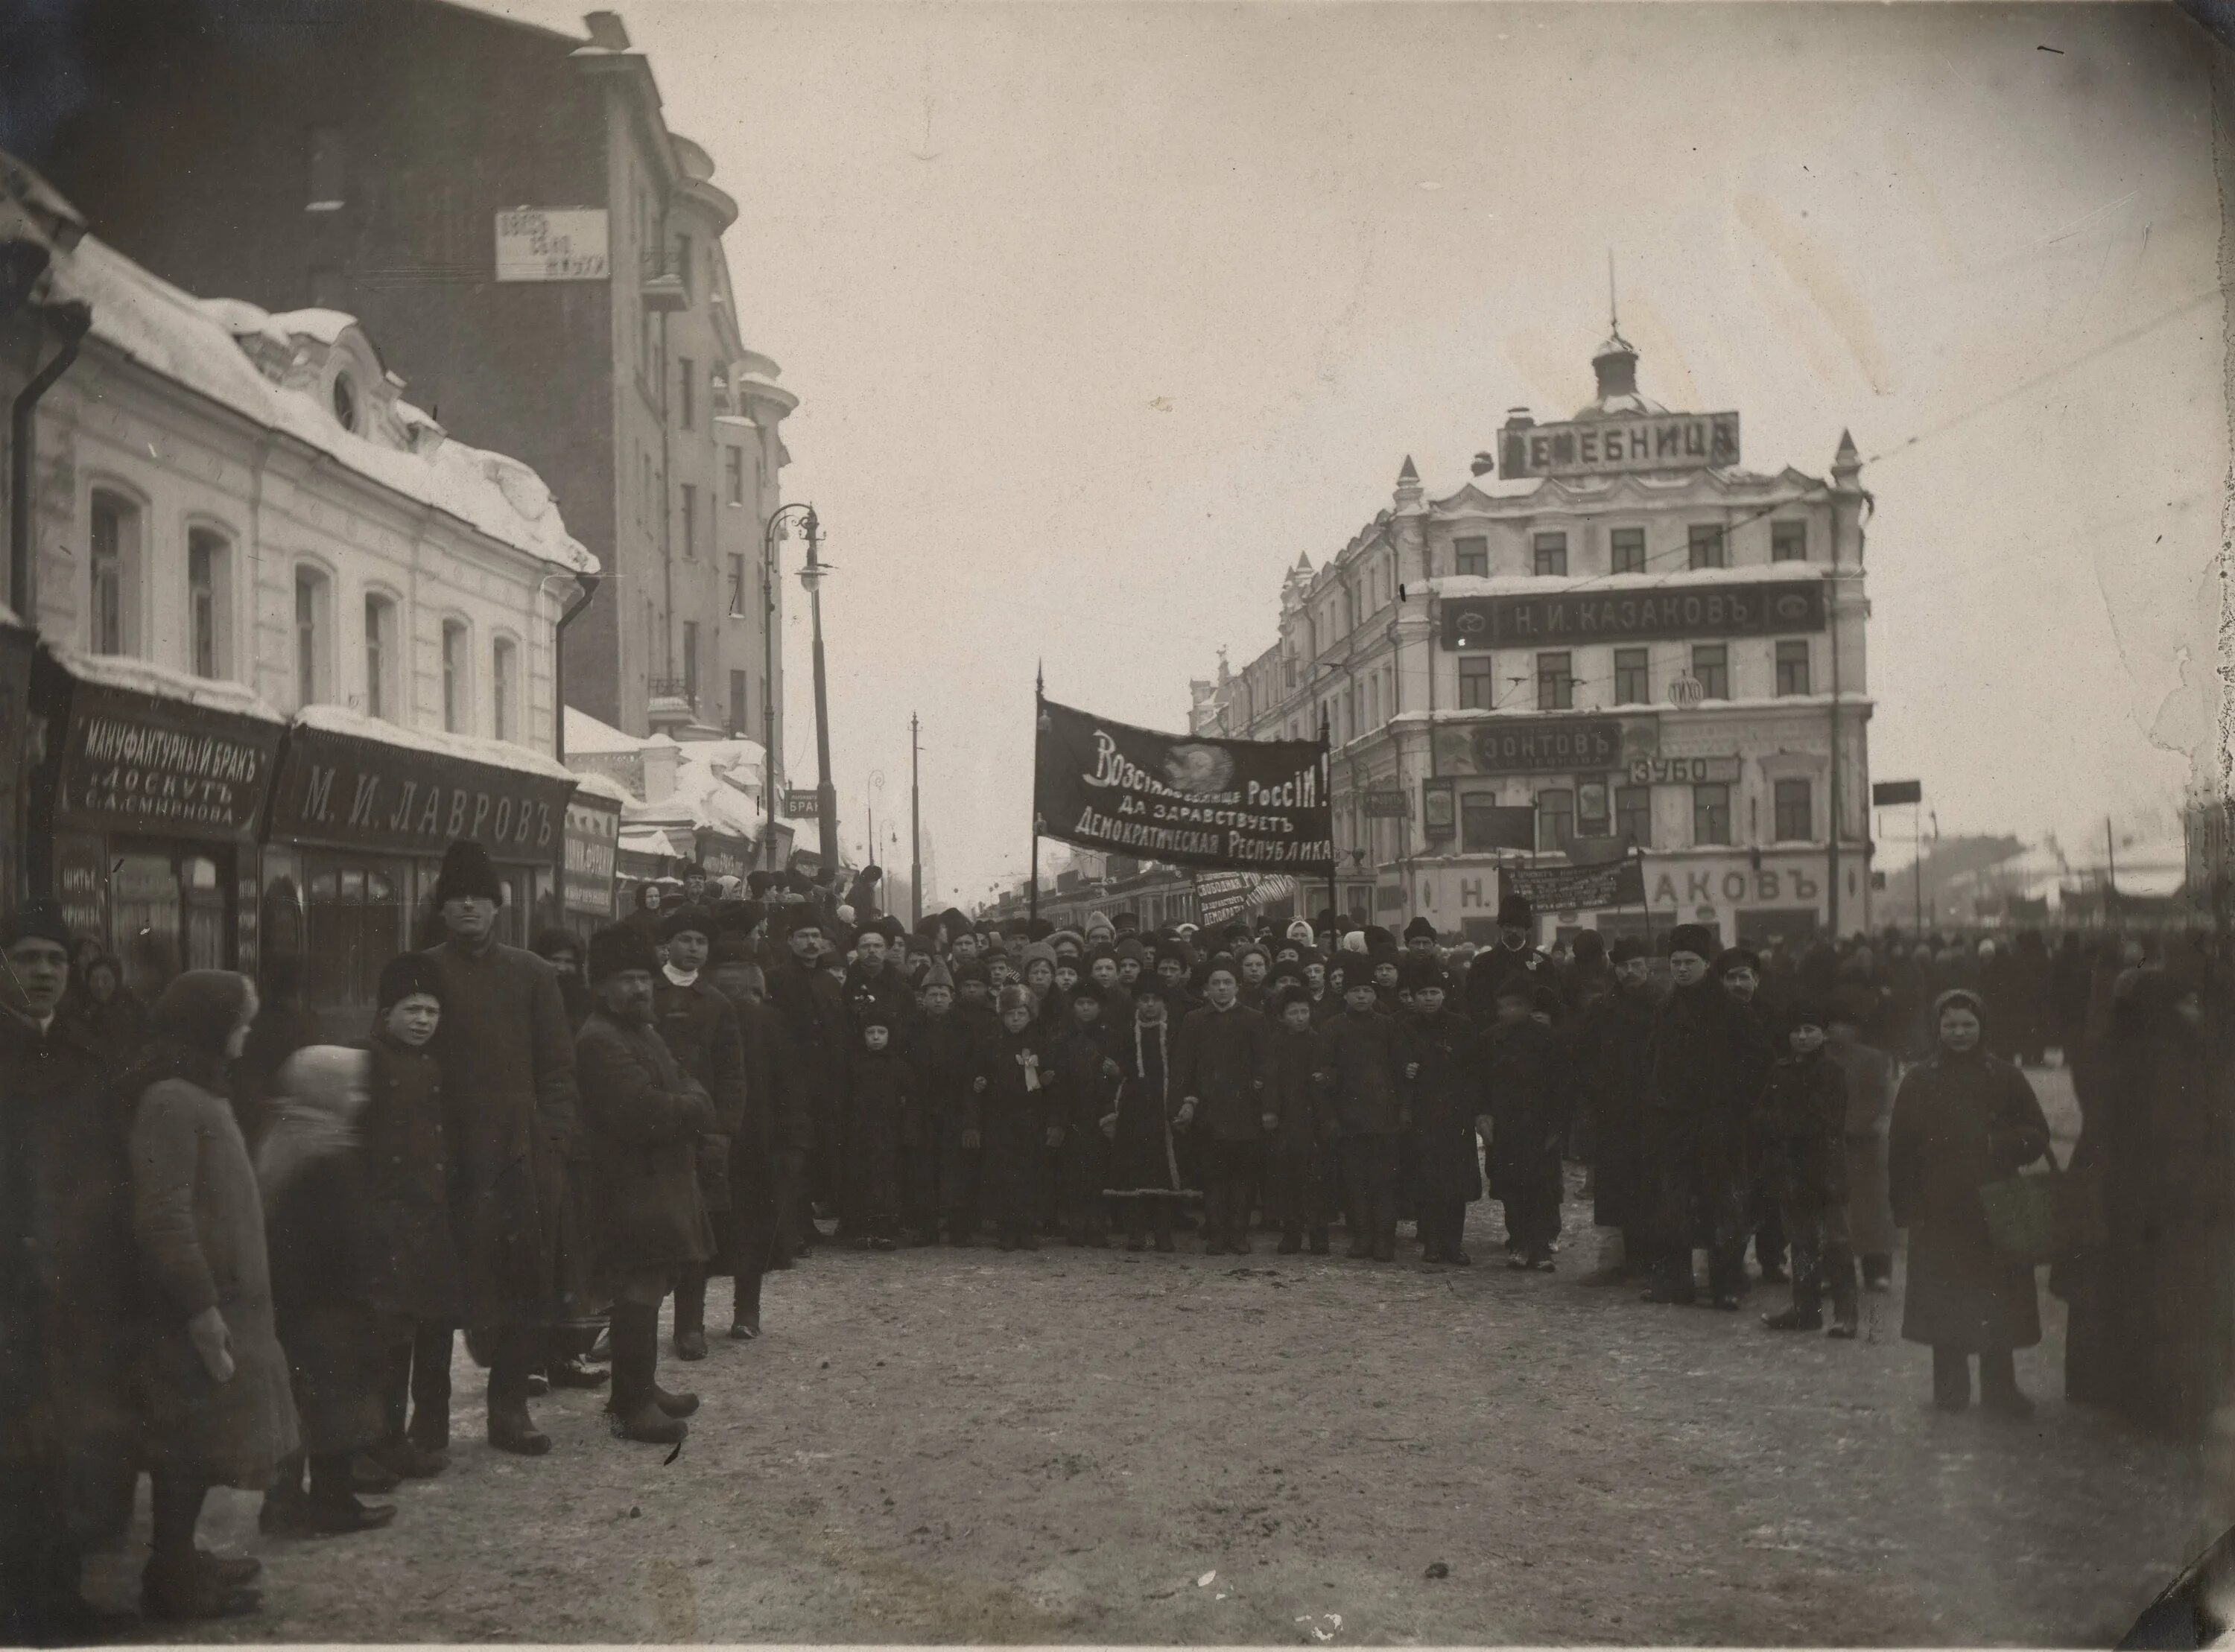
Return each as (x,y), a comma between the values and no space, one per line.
(467,872)
(618,949)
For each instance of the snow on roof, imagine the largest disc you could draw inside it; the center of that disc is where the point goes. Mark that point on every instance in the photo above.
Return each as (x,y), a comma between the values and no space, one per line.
(324,325)
(145,676)
(173,334)
(588,736)
(649,841)
(472,749)
(604,786)
(8,617)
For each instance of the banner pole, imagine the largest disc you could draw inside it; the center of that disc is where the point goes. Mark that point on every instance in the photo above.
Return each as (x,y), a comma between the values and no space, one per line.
(1644,899)
(1039,721)
(1326,789)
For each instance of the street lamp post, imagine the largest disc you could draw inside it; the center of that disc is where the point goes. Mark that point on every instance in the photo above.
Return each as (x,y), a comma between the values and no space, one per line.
(826,795)
(811,576)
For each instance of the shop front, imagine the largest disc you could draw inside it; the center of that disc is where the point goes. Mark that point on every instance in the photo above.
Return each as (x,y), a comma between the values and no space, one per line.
(359,821)
(723,854)
(149,812)
(593,829)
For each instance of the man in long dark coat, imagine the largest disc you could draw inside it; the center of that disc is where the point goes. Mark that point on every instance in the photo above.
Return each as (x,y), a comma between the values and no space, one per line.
(1440,1055)
(67,1424)
(644,1117)
(1613,1049)
(700,1030)
(1739,970)
(771,1095)
(1696,1131)
(814,1009)
(508,1088)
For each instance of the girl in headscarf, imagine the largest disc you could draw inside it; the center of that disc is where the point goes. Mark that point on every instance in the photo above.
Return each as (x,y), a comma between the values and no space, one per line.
(215,1384)
(319,1223)
(1961,1119)
(110,1010)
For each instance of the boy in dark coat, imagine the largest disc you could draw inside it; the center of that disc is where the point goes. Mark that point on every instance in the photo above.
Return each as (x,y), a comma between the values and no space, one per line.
(1531,1103)
(1014,1099)
(1740,970)
(881,1114)
(644,1116)
(1297,1196)
(700,1030)
(1084,1077)
(943,1045)
(1220,1068)
(1440,1055)
(1801,1128)
(407,1157)
(317,1189)
(1696,1131)
(1361,1053)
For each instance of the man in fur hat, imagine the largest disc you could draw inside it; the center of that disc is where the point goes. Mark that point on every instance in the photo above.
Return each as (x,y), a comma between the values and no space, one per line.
(68,1271)
(508,1086)
(1514,954)
(1420,938)
(700,1029)
(1695,1129)
(814,1009)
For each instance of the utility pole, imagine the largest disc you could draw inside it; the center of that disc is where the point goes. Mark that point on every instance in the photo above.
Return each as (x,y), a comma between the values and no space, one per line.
(826,795)
(915,821)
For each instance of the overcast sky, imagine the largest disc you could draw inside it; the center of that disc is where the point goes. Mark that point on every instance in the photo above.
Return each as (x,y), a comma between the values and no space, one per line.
(1099,315)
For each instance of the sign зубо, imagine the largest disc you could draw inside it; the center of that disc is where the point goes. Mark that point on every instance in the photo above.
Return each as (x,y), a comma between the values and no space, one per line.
(1599,614)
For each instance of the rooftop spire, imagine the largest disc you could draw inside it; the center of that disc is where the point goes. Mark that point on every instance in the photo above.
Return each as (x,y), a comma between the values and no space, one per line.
(1614,310)
(1408,474)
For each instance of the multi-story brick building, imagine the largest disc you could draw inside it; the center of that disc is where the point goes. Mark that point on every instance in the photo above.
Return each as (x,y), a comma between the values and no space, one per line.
(1613,638)
(541,258)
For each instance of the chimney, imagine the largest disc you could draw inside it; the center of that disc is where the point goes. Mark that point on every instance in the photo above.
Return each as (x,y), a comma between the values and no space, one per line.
(661,759)
(608,32)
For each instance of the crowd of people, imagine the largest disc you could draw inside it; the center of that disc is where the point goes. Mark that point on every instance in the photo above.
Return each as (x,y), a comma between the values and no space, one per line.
(237,1258)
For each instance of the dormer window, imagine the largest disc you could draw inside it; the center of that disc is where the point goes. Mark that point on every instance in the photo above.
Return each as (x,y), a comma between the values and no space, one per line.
(345,402)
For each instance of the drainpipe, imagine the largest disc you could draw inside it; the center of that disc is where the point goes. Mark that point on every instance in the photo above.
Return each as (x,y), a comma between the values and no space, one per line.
(72,321)
(588,584)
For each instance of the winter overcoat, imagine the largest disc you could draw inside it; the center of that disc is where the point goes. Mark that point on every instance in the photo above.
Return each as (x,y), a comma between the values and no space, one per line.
(1362,1052)
(1220,1063)
(880,1116)
(700,1030)
(1013,1172)
(1531,1091)
(1143,1153)
(199,1223)
(1301,1094)
(814,1009)
(1614,1049)
(1870,1074)
(327,1264)
(1440,1059)
(1085,1077)
(408,1161)
(509,1099)
(1696,1121)
(1802,1124)
(642,1115)
(69,1276)
(1959,1122)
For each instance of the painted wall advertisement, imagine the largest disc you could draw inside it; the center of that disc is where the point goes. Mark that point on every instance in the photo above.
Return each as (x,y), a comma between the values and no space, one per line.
(1613,447)
(340,790)
(593,829)
(1598,615)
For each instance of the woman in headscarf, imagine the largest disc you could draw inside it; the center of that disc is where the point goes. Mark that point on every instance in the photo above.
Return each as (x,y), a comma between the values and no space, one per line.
(1961,1119)
(218,1411)
(319,1225)
(111,1011)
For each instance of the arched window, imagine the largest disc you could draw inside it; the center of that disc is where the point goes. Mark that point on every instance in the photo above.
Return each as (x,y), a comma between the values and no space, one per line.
(385,676)
(457,677)
(115,555)
(209,603)
(314,631)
